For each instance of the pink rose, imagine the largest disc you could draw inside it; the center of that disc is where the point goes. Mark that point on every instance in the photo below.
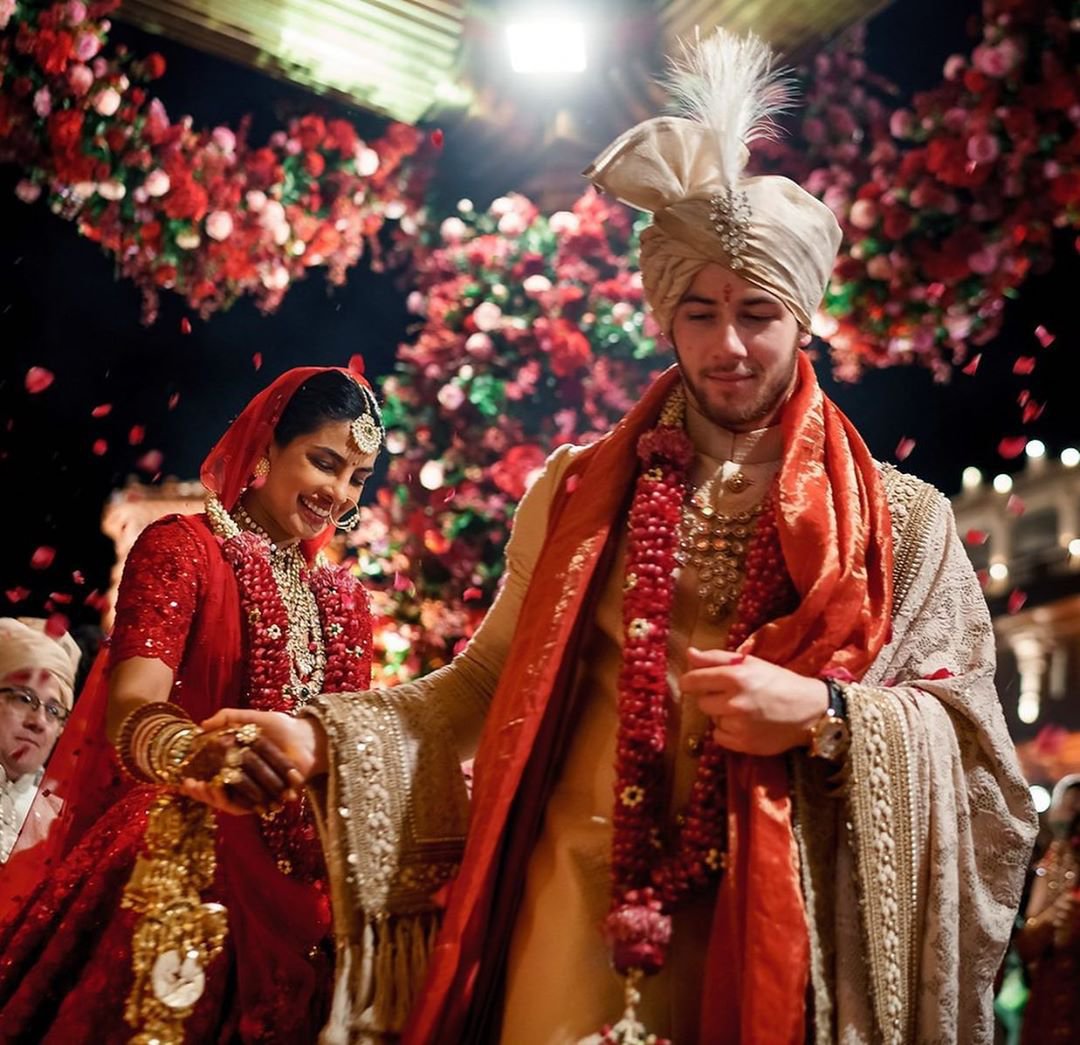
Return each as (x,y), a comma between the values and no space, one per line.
(75,12)
(224,139)
(512,224)
(112,190)
(156,183)
(107,101)
(416,303)
(7,9)
(480,346)
(86,46)
(982,148)
(451,396)
(453,230)
(564,221)
(501,206)
(983,261)
(255,200)
(219,225)
(487,316)
(955,65)
(42,102)
(80,79)
(536,285)
(864,214)
(901,124)
(996,61)
(27,191)
(878,267)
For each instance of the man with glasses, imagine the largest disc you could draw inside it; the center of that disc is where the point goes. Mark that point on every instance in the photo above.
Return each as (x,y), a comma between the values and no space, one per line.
(37,677)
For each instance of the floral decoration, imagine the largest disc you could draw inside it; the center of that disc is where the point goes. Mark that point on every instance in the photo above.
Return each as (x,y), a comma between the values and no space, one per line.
(201,213)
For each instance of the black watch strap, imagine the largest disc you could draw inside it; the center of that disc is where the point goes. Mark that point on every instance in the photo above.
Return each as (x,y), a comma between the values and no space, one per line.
(837,699)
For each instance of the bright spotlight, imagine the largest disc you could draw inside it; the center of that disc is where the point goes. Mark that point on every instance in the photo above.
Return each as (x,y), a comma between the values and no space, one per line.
(1027,708)
(1035,448)
(1040,798)
(1074,547)
(1070,457)
(547,45)
(1003,483)
(998,571)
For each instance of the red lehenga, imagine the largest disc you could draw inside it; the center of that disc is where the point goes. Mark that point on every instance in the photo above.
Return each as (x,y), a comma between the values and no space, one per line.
(65,948)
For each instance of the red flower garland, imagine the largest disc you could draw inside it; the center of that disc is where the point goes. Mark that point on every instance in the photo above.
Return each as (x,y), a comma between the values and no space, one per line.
(647,883)
(346,624)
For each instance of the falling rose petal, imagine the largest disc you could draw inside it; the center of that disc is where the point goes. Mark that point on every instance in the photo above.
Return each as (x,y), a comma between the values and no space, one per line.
(972,366)
(401,582)
(38,379)
(61,597)
(173,400)
(1024,365)
(1015,505)
(473,593)
(941,673)
(1032,411)
(136,435)
(256,361)
(571,483)
(437,138)
(357,364)
(976,537)
(77,577)
(185,325)
(1012,446)
(1023,397)
(42,557)
(97,601)
(101,411)
(17,594)
(1046,339)
(150,461)
(100,447)
(1017,598)
(904,448)
(57,625)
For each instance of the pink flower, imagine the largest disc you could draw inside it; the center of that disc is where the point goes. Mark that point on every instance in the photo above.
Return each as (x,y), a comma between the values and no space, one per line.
(75,12)
(879,267)
(982,148)
(453,230)
(487,316)
(219,225)
(86,46)
(112,190)
(156,183)
(996,61)
(451,396)
(7,9)
(864,214)
(512,224)
(80,79)
(901,124)
(955,64)
(107,101)
(255,200)
(42,102)
(621,311)
(983,261)
(501,206)
(564,221)
(416,303)
(27,191)
(536,285)
(224,139)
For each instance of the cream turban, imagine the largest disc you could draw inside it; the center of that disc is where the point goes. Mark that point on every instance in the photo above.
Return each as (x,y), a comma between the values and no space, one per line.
(687,172)
(24,646)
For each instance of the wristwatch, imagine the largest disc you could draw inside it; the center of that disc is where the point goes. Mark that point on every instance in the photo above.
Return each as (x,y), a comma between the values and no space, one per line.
(829,736)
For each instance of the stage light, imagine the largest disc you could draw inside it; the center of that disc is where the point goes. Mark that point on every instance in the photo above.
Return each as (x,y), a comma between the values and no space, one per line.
(1027,708)
(1074,547)
(1040,798)
(1070,457)
(999,571)
(972,478)
(547,45)
(1003,483)
(1035,448)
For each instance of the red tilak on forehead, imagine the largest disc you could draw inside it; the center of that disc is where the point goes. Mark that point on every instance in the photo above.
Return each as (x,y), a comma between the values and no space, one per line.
(728,291)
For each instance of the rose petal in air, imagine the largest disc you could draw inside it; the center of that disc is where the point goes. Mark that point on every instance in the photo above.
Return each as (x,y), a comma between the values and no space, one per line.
(101,411)
(1046,339)
(150,462)
(256,361)
(136,435)
(973,365)
(42,557)
(1015,505)
(57,625)
(100,447)
(17,594)
(38,379)
(1024,365)
(1012,446)
(1032,411)
(976,537)
(173,400)
(1017,598)
(904,448)
(185,325)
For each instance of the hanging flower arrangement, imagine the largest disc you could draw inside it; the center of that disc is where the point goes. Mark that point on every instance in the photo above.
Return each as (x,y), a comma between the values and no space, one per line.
(201,213)
(530,333)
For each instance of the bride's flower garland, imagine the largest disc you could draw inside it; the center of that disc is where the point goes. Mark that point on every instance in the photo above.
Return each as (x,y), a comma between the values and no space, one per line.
(346,629)
(648,883)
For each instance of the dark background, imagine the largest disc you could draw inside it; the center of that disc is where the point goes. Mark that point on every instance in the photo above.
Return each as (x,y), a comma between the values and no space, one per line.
(61,308)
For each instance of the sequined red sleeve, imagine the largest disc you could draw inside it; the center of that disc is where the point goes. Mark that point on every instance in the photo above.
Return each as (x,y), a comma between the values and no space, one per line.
(159,593)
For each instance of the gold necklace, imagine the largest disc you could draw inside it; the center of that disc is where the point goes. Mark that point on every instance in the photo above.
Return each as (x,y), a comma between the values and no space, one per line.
(715,545)
(304,637)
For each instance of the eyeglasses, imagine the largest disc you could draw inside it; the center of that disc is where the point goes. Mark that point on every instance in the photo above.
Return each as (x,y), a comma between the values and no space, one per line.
(54,712)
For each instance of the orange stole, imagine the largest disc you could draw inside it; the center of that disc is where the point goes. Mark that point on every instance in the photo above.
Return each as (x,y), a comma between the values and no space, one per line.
(841,564)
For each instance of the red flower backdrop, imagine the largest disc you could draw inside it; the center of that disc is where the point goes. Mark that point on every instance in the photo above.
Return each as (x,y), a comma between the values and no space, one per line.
(201,213)
(949,204)
(531,334)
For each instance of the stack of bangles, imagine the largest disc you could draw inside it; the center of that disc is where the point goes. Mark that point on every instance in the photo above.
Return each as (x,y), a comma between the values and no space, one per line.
(156,740)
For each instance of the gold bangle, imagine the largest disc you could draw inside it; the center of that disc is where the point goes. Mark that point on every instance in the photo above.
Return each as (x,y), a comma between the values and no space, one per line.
(137,740)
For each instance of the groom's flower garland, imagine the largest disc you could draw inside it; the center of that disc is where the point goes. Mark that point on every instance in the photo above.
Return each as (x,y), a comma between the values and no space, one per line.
(649,884)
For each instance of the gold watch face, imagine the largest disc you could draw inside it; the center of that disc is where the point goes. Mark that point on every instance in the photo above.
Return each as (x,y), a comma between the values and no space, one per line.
(178,979)
(830,738)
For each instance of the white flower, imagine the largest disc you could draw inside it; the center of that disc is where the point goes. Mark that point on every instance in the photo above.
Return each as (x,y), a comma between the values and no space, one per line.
(431,475)
(367,162)
(112,190)
(453,230)
(188,240)
(107,101)
(273,214)
(536,285)
(255,200)
(219,225)
(277,278)
(487,316)
(512,224)
(502,205)
(157,183)
(563,221)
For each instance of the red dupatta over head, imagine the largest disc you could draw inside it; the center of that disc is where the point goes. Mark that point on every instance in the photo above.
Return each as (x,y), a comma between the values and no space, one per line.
(82,779)
(835,534)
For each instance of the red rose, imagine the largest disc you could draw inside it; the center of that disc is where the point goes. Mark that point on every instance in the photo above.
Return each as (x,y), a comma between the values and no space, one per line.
(510,472)
(310,131)
(150,233)
(567,346)
(154,66)
(897,223)
(165,275)
(341,135)
(186,198)
(65,130)
(1065,189)
(116,137)
(314,163)
(52,50)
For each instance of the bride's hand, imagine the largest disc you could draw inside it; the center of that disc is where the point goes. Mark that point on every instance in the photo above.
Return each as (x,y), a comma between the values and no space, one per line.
(281,756)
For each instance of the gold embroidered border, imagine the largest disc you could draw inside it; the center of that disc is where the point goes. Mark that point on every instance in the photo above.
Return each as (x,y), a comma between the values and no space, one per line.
(881,821)
(912,504)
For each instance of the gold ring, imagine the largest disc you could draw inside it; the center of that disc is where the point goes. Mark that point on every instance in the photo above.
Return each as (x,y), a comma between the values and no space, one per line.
(247,734)
(228,775)
(234,757)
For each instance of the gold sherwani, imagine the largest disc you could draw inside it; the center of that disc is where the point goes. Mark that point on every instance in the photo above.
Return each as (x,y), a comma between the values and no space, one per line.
(911,878)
